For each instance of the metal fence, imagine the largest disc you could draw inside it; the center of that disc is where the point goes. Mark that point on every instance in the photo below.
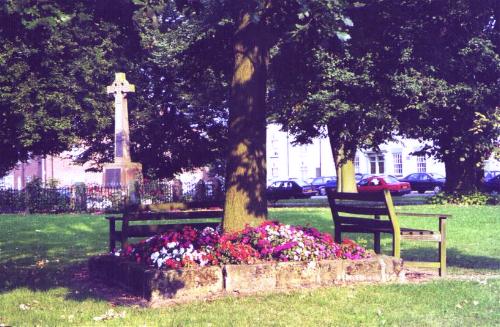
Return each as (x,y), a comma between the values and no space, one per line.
(97,198)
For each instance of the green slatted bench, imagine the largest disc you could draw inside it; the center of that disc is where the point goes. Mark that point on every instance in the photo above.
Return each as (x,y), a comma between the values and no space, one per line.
(131,228)
(374,213)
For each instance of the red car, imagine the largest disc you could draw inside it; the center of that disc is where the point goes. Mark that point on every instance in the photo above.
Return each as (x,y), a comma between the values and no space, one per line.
(387,182)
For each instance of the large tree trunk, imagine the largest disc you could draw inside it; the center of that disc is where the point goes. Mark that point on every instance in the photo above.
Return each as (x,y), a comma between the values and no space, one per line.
(246,201)
(462,176)
(346,181)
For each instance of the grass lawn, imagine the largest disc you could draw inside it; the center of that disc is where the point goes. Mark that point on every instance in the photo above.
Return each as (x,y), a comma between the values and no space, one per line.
(40,255)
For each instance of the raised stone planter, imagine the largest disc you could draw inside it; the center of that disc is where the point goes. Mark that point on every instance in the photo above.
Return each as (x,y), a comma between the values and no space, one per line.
(166,287)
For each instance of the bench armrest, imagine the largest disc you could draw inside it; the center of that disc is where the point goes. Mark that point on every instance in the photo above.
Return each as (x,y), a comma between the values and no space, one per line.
(425,215)
(114,218)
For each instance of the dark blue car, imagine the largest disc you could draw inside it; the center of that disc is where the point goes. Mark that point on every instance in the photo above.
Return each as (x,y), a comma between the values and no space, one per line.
(319,183)
(422,182)
(289,189)
(492,184)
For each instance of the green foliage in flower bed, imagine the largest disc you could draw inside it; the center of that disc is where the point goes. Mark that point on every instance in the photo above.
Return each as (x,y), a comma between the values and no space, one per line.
(41,257)
(464,199)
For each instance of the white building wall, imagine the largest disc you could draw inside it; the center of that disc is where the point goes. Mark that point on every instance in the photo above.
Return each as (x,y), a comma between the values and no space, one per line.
(285,160)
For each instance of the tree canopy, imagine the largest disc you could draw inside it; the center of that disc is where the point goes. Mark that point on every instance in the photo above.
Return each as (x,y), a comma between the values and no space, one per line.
(446,86)
(207,71)
(57,57)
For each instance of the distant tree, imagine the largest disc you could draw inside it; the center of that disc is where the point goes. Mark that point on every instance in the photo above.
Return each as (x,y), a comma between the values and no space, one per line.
(331,84)
(447,85)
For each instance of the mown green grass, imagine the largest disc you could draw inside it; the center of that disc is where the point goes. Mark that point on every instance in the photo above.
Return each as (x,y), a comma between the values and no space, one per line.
(61,245)
(472,234)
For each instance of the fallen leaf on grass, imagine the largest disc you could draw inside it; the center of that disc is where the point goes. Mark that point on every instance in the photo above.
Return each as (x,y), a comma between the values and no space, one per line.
(24,307)
(42,263)
(110,314)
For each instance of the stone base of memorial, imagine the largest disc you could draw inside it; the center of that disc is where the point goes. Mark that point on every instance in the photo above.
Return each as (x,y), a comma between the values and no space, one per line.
(165,287)
(121,173)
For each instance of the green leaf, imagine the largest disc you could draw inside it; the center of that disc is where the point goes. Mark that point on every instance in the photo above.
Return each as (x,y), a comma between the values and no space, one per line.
(343,36)
(348,21)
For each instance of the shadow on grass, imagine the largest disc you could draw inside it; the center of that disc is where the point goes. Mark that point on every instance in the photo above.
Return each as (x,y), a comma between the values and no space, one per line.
(454,258)
(73,276)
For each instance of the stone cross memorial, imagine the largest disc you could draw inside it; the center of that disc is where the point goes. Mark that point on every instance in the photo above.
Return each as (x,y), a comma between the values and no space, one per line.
(122,172)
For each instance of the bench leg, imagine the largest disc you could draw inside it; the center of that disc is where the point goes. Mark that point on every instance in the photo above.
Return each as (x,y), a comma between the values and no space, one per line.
(124,234)
(442,247)
(338,235)
(376,239)
(376,242)
(396,245)
(112,238)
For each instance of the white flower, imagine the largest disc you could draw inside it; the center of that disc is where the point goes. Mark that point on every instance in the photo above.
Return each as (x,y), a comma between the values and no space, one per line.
(160,261)
(163,251)
(172,245)
(296,258)
(155,256)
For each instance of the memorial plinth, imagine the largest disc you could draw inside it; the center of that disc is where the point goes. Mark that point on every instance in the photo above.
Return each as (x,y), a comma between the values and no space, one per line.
(122,172)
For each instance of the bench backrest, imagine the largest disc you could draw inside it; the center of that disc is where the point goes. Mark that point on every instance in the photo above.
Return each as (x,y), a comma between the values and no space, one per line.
(349,207)
(172,215)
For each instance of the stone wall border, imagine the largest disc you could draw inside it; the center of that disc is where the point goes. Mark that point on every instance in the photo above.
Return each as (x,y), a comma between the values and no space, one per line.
(163,288)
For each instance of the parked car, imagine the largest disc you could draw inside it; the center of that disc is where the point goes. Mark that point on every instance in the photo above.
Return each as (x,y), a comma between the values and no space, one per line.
(319,183)
(492,184)
(489,174)
(331,184)
(358,177)
(384,182)
(289,189)
(422,182)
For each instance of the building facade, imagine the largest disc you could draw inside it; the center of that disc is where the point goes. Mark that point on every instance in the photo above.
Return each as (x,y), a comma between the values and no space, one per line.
(285,160)
(60,169)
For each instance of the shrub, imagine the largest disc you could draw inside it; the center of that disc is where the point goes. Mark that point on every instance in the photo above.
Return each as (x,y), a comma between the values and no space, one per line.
(463,199)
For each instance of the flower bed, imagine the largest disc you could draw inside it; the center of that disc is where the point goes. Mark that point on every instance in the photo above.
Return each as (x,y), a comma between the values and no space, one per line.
(271,241)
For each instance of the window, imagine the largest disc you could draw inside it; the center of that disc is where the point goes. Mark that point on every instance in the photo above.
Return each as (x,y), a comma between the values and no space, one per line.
(274,171)
(303,170)
(421,164)
(376,163)
(356,164)
(274,147)
(413,177)
(398,163)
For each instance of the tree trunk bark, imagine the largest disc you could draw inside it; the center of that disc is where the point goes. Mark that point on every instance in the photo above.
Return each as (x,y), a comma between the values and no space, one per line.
(346,181)
(462,176)
(246,202)
(348,177)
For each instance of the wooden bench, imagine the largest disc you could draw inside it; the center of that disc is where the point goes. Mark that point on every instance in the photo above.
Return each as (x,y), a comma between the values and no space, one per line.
(364,213)
(128,229)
